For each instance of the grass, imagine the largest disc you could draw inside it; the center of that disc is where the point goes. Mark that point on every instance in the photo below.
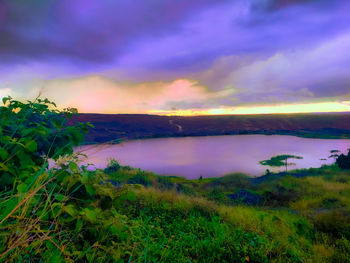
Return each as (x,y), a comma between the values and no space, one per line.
(122,214)
(300,218)
(138,216)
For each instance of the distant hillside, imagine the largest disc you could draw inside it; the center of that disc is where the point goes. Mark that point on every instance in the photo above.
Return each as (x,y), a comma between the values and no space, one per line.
(114,127)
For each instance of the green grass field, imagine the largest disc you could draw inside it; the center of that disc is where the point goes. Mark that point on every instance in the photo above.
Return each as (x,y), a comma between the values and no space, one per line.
(137,216)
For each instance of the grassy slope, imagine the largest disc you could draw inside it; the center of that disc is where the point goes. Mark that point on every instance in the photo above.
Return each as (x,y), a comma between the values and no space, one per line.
(304,218)
(138,216)
(114,127)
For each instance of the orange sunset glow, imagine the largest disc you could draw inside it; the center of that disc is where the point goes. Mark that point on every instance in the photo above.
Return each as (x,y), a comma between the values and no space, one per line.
(269,109)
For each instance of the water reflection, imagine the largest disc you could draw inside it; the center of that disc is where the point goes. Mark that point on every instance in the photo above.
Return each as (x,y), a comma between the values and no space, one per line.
(214,156)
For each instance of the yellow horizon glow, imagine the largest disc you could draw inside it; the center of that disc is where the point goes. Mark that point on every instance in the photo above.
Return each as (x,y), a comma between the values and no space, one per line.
(319,107)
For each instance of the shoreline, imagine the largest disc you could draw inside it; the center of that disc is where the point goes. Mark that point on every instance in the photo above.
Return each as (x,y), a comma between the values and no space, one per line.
(101,153)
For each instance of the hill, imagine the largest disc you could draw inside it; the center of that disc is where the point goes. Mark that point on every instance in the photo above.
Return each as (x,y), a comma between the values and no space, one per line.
(114,127)
(69,213)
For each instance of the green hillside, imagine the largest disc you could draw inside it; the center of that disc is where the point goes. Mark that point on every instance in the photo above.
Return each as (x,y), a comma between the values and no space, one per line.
(120,214)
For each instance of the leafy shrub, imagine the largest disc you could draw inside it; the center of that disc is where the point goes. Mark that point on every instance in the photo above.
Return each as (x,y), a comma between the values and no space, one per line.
(278,196)
(335,223)
(112,167)
(343,161)
(331,203)
(30,134)
(140,178)
(32,196)
(342,251)
(245,197)
(216,195)
(230,182)
(165,183)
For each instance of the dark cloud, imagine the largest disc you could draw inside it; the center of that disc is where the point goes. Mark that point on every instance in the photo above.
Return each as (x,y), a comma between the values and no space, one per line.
(105,31)
(235,29)
(274,5)
(88,30)
(335,87)
(245,51)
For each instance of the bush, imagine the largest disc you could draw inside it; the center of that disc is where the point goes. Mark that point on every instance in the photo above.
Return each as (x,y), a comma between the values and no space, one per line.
(230,182)
(343,161)
(30,134)
(140,178)
(335,223)
(32,197)
(112,167)
(342,251)
(164,183)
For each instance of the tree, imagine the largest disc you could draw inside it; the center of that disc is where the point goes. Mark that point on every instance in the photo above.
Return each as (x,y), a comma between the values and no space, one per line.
(280,160)
(343,161)
(334,154)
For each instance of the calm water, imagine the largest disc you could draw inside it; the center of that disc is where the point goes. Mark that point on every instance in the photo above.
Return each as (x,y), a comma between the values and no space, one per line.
(215,155)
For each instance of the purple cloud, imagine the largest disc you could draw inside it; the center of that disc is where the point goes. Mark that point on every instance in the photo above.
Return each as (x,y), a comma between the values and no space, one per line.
(85,30)
(249,51)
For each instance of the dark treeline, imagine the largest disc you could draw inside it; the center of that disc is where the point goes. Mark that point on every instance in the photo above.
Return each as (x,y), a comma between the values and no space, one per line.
(114,127)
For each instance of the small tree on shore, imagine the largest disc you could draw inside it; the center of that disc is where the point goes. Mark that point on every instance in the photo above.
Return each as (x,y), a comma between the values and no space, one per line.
(334,154)
(343,161)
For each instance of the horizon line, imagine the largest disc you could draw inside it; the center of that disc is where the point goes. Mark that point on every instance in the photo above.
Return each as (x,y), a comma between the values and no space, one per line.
(301,108)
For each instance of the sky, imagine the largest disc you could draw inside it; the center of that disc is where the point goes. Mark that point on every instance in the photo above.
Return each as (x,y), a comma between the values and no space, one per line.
(178,57)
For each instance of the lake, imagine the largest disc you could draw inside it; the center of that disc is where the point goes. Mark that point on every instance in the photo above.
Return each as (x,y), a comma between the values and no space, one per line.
(214,156)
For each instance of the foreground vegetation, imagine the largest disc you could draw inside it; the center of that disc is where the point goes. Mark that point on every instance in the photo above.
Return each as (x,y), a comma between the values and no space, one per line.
(72,213)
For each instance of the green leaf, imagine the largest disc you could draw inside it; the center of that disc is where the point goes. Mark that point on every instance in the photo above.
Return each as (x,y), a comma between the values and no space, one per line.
(71,210)
(78,225)
(3,154)
(59,197)
(54,256)
(31,146)
(84,178)
(5,99)
(56,207)
(115,229)
(91,214)
(21,188)
(130,196)
(6,179)
(7,207)
(90,189)
(74,167)
(4,167)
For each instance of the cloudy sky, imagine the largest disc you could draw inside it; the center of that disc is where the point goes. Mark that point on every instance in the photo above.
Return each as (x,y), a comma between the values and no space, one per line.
(178,56)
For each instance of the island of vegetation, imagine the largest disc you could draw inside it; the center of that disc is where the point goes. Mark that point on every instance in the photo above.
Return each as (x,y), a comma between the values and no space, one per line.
(74,213)
(280,160)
